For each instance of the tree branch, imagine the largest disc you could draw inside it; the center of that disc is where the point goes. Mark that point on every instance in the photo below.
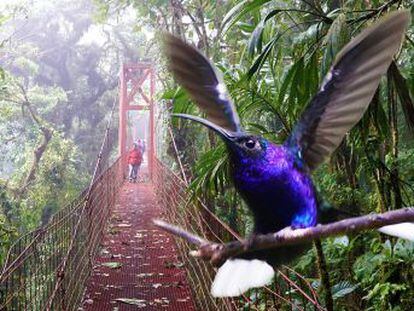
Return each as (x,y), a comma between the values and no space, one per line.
(217,253)
(376,11)
(41,148)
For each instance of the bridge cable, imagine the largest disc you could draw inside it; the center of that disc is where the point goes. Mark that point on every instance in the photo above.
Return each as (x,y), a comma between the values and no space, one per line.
(84,208)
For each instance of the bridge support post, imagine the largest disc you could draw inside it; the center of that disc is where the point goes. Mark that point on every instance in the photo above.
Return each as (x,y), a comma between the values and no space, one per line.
(133,78)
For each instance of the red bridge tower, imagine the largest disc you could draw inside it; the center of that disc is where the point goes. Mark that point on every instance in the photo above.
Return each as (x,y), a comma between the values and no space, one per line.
(136,79)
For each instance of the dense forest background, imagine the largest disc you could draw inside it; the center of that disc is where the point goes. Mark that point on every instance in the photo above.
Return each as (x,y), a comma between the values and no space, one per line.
(59,79)
(60,62)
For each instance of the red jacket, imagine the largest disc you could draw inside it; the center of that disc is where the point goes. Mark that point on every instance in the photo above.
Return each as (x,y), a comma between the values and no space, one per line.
(134,157)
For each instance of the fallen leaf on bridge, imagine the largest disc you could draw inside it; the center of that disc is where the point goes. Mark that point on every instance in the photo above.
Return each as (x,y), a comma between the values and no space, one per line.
(124,225)
(132,301)
(113,230)
(143,275)
(116,218)
(183,299)
(104,251)
(112,265)
(170,264)
(143,281)
(163,300)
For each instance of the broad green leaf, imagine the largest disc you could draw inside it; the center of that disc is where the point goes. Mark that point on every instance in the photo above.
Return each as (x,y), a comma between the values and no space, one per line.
(255,41)
(258,63)
(335,39)
(342,289)
(240,10)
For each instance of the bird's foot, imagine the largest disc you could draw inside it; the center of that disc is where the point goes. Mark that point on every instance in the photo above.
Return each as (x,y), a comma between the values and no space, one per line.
(287,230)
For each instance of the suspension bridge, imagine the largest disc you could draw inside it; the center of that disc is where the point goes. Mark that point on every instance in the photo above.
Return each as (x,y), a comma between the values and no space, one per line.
(101,251)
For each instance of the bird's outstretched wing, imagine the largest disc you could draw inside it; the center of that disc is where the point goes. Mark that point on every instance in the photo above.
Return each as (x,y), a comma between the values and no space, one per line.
(202,81)
(348,89)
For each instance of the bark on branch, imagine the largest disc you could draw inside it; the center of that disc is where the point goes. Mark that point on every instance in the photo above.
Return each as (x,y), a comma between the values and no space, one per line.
(217,253)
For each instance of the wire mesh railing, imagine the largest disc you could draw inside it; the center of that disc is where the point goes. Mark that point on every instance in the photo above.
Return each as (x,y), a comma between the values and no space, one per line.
(46,269)
(171,194)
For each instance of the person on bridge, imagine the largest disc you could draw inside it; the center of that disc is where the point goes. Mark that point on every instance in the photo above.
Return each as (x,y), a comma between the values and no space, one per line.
(134,162)
(141,145)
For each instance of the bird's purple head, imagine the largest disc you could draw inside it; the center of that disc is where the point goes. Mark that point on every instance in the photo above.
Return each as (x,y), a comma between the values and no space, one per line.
(241,145)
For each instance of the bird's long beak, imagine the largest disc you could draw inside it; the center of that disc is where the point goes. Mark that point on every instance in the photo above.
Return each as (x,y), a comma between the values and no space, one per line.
(227,135)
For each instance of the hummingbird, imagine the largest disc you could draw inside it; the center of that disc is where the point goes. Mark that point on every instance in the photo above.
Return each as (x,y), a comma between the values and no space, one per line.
(275,180)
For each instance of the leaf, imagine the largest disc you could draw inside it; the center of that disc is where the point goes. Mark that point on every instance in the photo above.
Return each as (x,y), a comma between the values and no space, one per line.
(163,300)
(341,240)
(335,39)
(240,10)
(124,225)
(113,231)
(288,79)
(169,264)
(132,301)
(403,92)
(342,289)
(183,299)
(112,265)
(143,275)
(258,63)
(255,41)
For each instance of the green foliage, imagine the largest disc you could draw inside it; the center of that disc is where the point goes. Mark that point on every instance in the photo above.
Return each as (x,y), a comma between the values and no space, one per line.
(389,277)
(56,181)
(58,82)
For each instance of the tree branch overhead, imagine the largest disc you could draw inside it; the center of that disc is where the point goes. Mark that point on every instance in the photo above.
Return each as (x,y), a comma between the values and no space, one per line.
(217,253)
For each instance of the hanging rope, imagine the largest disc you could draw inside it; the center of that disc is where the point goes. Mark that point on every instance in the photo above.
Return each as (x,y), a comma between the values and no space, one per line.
(85,205)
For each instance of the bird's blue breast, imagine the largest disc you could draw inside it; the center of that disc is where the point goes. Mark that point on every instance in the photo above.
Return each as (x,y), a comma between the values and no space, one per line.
(277,192)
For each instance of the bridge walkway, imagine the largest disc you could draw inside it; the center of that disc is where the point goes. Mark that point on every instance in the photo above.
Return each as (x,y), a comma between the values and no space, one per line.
(138,266)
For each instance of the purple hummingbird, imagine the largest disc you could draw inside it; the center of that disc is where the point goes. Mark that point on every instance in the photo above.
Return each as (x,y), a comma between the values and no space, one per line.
(274,180)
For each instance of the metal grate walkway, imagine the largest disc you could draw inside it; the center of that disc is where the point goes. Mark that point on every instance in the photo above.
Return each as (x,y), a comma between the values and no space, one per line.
(137,267)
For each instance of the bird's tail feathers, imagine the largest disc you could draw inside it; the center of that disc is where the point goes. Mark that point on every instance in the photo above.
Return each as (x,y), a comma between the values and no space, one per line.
(404,230)
(236,276)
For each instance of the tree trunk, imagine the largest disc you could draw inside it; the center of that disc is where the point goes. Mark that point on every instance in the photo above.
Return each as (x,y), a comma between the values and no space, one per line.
(393,115)
(324,275)
(40,149)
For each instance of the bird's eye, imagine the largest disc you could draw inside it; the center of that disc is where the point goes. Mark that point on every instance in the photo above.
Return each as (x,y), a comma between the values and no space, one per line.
(250,144)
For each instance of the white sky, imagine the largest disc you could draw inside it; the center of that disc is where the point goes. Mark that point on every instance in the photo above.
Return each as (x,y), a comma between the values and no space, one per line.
(95,34)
